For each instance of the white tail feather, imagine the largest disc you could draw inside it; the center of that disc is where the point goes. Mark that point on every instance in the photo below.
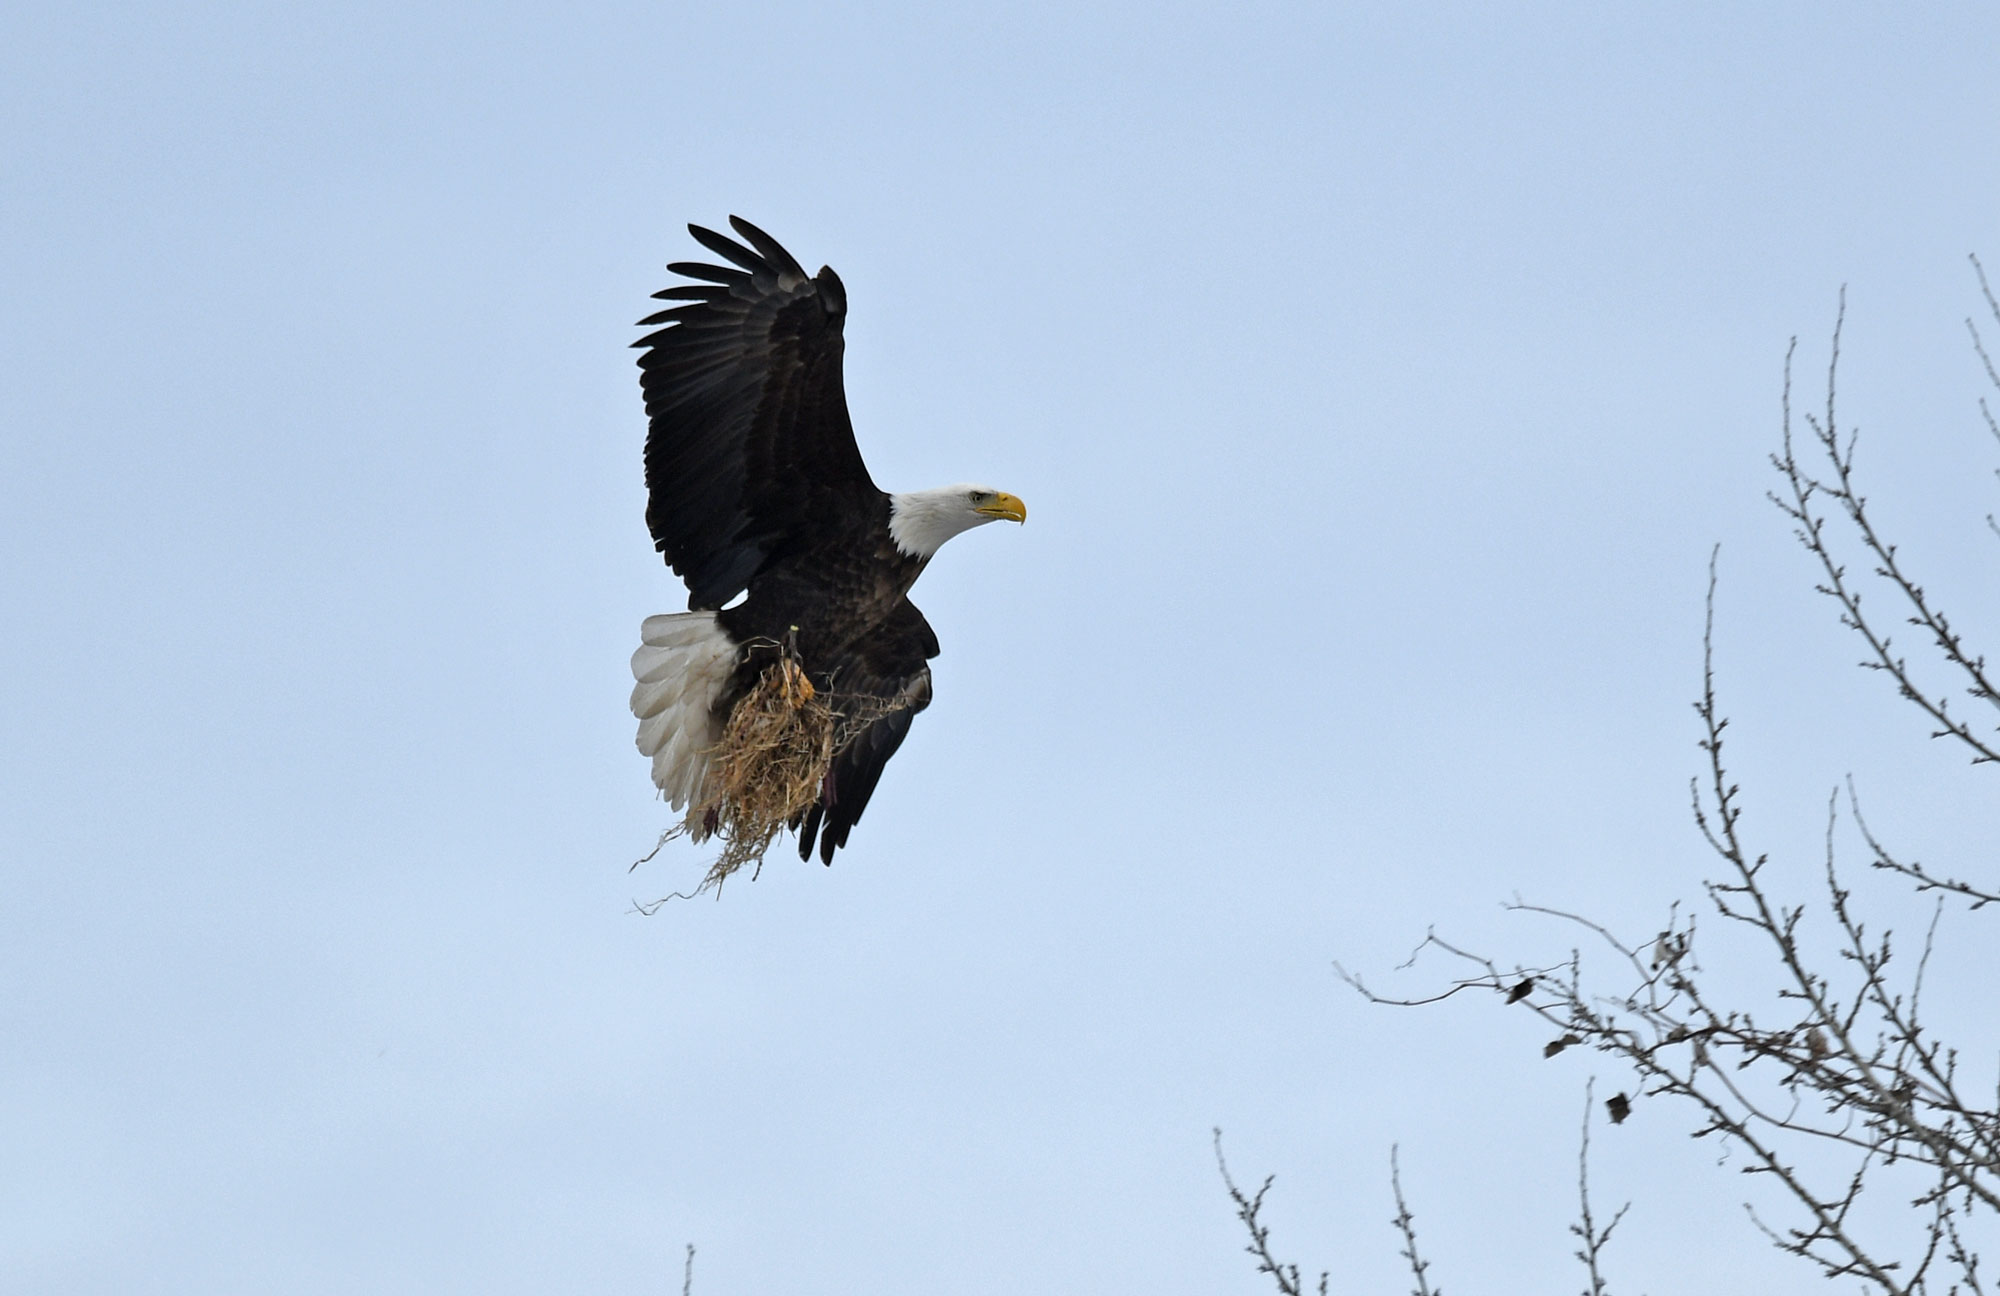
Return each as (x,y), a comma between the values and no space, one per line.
(650,697)
(654,731)
(683,663)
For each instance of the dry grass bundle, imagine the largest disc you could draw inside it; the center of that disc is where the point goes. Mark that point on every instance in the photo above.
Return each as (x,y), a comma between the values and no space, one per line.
(769,767)
(767,770)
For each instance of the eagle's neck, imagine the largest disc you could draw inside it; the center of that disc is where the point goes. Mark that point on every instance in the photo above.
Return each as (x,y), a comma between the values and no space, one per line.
(921,521)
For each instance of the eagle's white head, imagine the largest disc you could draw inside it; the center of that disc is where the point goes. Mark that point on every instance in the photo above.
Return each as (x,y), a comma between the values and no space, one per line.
(921,521)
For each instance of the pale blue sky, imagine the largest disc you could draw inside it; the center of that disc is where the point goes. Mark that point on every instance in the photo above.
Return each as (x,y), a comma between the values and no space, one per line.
(1378,378)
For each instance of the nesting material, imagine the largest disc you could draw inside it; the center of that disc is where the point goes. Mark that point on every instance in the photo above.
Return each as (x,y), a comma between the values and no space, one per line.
(768,769)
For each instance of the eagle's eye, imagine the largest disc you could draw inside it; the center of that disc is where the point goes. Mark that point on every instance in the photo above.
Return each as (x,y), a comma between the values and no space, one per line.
(979,497)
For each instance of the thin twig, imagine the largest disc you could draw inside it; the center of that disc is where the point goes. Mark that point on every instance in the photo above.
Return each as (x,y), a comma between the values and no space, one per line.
(1585,1229)
(1248,1209)
(1406,1224)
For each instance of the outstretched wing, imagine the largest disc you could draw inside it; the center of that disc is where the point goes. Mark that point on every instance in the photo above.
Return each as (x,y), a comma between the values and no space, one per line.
(882,682)
(749,451)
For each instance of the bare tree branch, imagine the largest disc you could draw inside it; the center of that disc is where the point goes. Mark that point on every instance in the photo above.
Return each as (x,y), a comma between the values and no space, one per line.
(1248,1209)
(1592,1240)
(1843,1094)
(1406,1224)
(1883,1158)
(1912,869)
(1800,503)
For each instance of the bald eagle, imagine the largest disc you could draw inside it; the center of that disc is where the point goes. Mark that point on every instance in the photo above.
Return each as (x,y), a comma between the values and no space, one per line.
(759,501)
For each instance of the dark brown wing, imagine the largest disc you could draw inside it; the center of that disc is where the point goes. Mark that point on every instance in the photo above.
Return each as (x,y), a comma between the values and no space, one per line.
(749,454)
(883,681)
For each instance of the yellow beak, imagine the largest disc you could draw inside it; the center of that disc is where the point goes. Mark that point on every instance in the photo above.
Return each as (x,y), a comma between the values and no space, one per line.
(1005,506)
